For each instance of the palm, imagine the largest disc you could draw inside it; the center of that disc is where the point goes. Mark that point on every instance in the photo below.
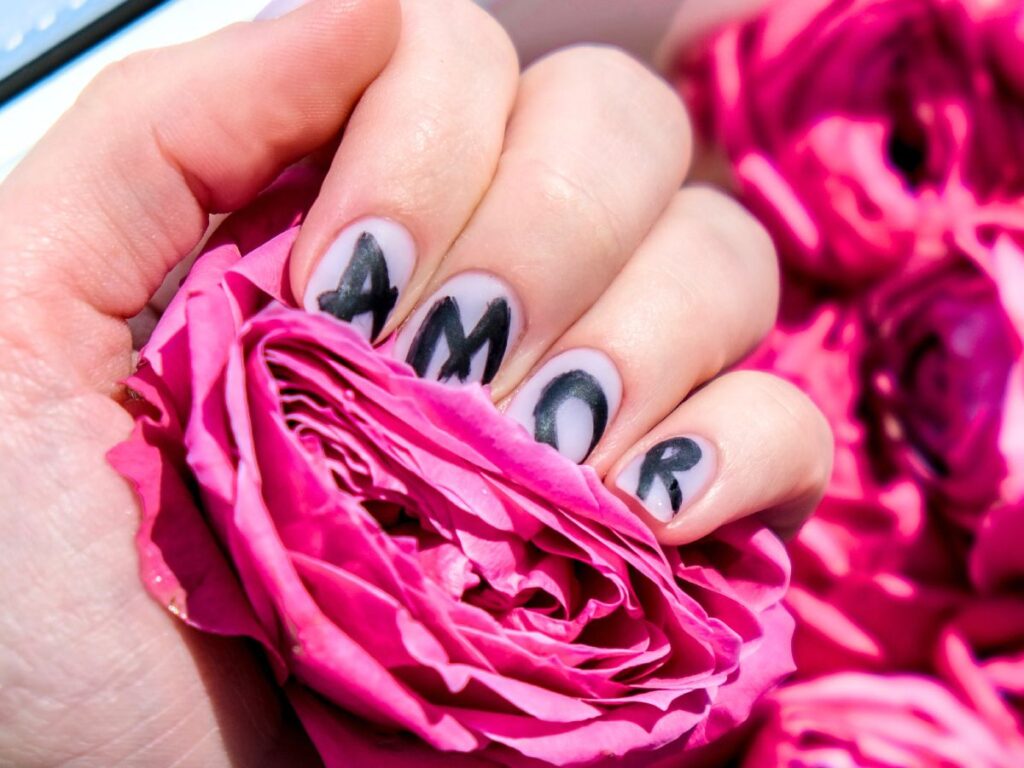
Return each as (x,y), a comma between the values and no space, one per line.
(95,670)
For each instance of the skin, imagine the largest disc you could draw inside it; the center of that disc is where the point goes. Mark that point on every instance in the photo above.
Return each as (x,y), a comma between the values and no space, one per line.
(123,188)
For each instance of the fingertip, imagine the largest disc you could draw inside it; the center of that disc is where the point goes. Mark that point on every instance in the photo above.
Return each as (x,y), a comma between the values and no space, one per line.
(768,452)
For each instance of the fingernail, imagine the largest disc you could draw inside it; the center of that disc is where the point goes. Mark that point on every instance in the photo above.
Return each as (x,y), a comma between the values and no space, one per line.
(669,476)
(362,274)
(275,9)
(463,332)
(569,403)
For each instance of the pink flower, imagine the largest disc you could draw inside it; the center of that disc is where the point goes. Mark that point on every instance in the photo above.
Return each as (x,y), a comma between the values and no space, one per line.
(423,577)
(873,583)
(995,559)
(941,348)
(981,654)
(874,577)
(862,131)
(853,720)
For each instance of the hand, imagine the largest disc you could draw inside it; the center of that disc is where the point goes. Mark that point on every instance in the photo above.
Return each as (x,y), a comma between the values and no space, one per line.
(549,196)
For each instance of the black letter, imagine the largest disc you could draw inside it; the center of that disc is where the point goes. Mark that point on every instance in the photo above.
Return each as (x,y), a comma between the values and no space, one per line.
(445,317)
(677,455)
(578,385)
(349,300)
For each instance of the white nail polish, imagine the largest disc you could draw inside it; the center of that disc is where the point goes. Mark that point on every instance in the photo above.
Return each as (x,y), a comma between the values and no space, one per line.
(361,276)
(275,9)
(669,475)
(464,331)
(570,401)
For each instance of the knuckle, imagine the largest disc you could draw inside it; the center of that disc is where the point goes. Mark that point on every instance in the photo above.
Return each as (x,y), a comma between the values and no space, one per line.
(492,38)
(566,196)
(635,93)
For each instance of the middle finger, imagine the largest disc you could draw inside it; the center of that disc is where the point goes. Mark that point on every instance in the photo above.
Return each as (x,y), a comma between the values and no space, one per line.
(595,149)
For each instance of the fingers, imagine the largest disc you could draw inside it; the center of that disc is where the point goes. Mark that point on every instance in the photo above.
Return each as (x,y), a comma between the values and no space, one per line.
(170,136)
(746,443)
(419,152)
(595,148)
(701,291)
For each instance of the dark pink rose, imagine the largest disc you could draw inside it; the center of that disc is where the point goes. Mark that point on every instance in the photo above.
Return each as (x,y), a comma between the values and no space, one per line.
(941,349)
(862,131)
(430,586)
(996,564)
(873,583)
(994,241)
(874,579)
(853,720)
(981,655)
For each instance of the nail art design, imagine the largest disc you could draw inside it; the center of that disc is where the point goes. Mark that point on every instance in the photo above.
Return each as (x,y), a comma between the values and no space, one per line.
(570,401)
(669,475)
(436,342)
(361,275)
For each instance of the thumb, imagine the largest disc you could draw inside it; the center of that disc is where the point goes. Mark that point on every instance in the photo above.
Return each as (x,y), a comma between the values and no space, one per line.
(122,187)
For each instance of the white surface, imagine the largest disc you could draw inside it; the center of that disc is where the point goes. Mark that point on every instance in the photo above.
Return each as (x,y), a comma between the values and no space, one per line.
(24,120)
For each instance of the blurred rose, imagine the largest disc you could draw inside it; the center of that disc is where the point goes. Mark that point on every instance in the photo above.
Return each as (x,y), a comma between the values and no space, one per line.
(856,720)
(940,351)
(424,577)
(863,131)
(981,654)
(996,563)
(873,583)
(981,651)
(870,559)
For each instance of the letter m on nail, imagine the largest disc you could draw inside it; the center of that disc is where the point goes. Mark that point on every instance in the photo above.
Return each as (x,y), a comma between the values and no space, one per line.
(445,321)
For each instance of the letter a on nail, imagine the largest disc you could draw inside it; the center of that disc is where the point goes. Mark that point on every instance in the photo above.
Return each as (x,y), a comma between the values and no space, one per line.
(351,298)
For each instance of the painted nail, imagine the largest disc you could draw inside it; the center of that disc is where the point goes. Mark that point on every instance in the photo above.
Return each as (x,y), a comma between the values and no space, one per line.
(569,403)
(462,333)
(670,475)
(362,274)
(275,9)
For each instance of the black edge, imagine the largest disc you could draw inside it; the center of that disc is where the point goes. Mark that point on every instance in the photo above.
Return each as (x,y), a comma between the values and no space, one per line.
(79,42)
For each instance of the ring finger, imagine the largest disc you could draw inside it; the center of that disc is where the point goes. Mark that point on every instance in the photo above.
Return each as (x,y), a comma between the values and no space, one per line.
(700,292)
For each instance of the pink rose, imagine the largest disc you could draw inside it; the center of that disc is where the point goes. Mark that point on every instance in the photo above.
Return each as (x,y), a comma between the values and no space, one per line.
(853,720)
(941,348)
(874,578)
(423,577)
(981,654)
(981,651)
(873,583)
(995,559)
(863,131)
